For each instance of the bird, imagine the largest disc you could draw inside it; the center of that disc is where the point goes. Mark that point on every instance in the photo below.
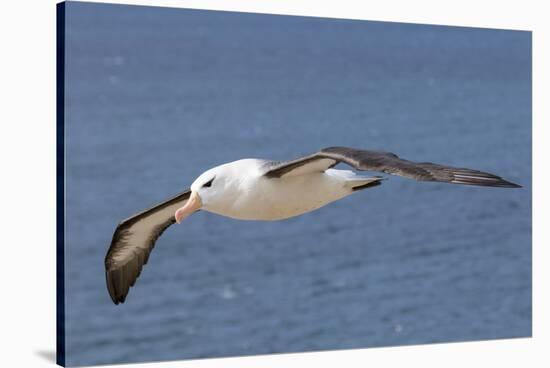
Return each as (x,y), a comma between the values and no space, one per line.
(266,190)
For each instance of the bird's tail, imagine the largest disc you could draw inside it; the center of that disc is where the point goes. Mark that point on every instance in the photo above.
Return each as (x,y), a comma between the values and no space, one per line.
(354,181)
(364,184)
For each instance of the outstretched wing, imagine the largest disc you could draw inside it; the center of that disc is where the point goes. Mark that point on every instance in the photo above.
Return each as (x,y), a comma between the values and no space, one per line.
(386,162)
(133,240)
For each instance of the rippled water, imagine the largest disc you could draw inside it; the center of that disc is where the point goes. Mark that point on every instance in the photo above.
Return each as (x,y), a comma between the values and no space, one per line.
(156,96)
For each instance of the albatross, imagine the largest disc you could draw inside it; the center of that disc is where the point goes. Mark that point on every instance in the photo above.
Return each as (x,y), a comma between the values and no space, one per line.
(255,189)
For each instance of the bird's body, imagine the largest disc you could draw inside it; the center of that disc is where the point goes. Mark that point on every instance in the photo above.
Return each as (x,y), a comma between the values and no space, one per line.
(249,195)
(254,189)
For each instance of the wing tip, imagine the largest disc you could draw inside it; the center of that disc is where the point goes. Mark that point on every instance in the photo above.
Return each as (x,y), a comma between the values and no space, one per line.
(512,185)
(479,178)
(497,183)
(501,183)
(509,184)
(116,297)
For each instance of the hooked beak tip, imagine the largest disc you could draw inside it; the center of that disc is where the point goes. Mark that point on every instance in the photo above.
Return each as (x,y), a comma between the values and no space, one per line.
(193,204)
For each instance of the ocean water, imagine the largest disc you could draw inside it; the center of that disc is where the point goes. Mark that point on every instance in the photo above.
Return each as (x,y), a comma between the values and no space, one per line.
(155,96)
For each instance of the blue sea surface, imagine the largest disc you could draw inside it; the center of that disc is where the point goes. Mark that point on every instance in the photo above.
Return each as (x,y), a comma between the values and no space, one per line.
(155,96)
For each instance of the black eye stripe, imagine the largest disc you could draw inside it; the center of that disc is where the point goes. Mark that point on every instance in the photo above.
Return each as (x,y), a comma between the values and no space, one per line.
(208,184)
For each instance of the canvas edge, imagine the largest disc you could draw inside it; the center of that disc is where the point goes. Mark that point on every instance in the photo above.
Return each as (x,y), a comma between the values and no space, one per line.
(60,184)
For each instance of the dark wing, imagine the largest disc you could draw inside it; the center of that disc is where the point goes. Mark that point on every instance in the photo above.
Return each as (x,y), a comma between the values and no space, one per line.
(133,240)
(388,163)
(304,165)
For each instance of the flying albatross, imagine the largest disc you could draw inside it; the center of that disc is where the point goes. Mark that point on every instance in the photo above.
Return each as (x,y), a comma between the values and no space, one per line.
(254,189)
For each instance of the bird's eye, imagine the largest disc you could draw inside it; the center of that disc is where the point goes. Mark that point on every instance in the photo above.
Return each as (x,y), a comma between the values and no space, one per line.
(208,184)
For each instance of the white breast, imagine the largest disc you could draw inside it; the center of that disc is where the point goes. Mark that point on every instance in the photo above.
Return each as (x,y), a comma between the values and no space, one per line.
(251,196)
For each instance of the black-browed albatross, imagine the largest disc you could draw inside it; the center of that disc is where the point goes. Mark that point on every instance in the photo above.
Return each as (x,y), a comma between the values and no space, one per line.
(254,189)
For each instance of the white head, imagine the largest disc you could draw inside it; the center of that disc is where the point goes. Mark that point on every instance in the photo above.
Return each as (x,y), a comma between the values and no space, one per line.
(215,190)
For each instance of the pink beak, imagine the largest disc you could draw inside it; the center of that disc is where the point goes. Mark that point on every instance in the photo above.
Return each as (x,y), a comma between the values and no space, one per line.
(193,204)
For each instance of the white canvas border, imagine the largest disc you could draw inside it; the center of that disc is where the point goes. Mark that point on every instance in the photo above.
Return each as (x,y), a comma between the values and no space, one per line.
(27,274)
